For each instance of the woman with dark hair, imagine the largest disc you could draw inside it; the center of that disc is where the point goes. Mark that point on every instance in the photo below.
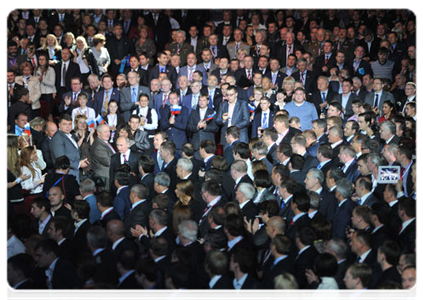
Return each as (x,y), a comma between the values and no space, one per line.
(388,111)
(185,193)
(114,119)
(263,182)
(61,178)
(322,275)
(47,77)
(180,213)
(101,54)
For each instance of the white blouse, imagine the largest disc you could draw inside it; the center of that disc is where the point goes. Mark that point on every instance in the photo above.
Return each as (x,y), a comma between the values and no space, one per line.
(31,183)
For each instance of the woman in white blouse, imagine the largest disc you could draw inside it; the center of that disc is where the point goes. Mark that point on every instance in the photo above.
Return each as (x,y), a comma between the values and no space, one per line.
(33,85)
(149,118)
(27,163)
(100,53)
(84,57)
(47,76)
(113,119)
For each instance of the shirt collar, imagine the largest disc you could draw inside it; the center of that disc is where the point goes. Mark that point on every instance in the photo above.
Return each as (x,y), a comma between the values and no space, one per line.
(115,244)
(137,203)
(214,280)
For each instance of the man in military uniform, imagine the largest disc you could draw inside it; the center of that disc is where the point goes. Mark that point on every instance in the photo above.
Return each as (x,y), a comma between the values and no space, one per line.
(181,47)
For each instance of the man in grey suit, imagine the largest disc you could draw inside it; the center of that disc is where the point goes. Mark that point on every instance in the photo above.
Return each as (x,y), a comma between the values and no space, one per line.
(378,96)
(129,96)
(62,143)
(190,68)
(233,112)
(101,152)
(346,98)
(237,44)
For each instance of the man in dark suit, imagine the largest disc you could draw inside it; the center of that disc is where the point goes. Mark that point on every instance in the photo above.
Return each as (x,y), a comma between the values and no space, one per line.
(281,249)
(174,123)
(275,75)
(338,248)
(163,67)
(105,95)
(305,237)
(350,168)
(308,78)
(80,213)
(357,280)
(244,76)
(300,204)
(360,66)
(241,264)
(239,175)
(49,131)
(346,98)
(296,166)
(19,271)
(202,123)
(283,50)
(125,266)
(191,101)
(371,44)
(140,209)
(233,112)
(62,143)
(325,61)
(160,23)
(323,95)
(378,96)
(216,264)
(345,207)
(263,118)
(119,46)
(63,275)
(116,235)
(244,196)
(167,152)
(105,206)
(217,49)
(407,236)
(65,70)
(135,66)
(124,156)
(146,168)
(69,99)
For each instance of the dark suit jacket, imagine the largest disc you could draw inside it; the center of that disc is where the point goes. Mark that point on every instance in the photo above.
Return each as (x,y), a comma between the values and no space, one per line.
(112,215)
(328,204)
(199,135)
(288,137)
(242,78)
(348,112)
(303,262)
(251,289)
(143,75)
(126,106)
(72,71)
(148,180)
(291,232)
(298,176)
(129,289)
(115,162)
(137,216)
(153,73)
(80,239)
(342,217)
(257,122)
(352,172)
(125,245)
(319,63)
(222,290)
(25,291)
(73,104)
(279,78)
(363,68)
(310,81)
(250,211)
(271,154)
(99,98)
(45,149)
(286,265)
(176,132)
(240,118)
(316,98)
(122,204)
(407,239)
(280,53)
(65,276)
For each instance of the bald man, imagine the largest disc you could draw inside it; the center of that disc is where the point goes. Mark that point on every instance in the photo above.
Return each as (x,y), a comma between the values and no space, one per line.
(116,235)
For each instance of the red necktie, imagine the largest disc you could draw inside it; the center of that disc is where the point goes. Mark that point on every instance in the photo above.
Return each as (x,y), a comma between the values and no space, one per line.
(249,74)
(164,100)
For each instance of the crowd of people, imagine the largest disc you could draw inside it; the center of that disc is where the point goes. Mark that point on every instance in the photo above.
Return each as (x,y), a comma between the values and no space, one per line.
(211,149)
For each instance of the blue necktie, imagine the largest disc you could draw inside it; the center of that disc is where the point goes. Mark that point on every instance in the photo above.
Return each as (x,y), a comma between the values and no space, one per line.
(264,125)
(359,201)
(323,97)
(377,100)
(282,205)
(194,102)
(319,166)
(134,95)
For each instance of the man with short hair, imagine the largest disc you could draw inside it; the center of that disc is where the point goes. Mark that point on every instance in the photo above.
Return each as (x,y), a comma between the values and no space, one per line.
(378,96)
(129,96)
(345,207)
(181,47)
(140,209)
(105,95)
(358,277)
(191,67)
(304,110)
(346,98)
(65,70)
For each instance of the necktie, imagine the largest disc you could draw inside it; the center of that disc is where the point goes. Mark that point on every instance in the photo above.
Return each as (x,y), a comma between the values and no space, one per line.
(282,205)
(236,48)
(74,97)
(190,74)
(164,100)
(214,51)
(194,102)
(264,124)
(274,79)
(124,158)
(359,201)
(34,64)
(249,74)
(319,166)
(179,49)
(289,51)
(377,100)
(64,74)
(134,95)
(106,103)
(302,77)
(159,160)
(323,97)
(326,59)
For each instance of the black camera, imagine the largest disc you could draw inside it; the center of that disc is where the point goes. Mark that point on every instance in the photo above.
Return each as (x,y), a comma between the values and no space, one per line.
(100,181)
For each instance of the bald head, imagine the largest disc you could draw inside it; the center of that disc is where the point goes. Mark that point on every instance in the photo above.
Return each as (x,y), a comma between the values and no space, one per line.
(51,129)
(276,225)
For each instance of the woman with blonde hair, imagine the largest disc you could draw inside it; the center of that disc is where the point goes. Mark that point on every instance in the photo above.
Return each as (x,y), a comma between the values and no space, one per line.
(101,54)
(33,85)
(47,77)
(286,287)
(84,57)
(185,193)
(240,55)
(28,166)
(81,134)
(24,141)
(69,41)
(52,48)
(288,85)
